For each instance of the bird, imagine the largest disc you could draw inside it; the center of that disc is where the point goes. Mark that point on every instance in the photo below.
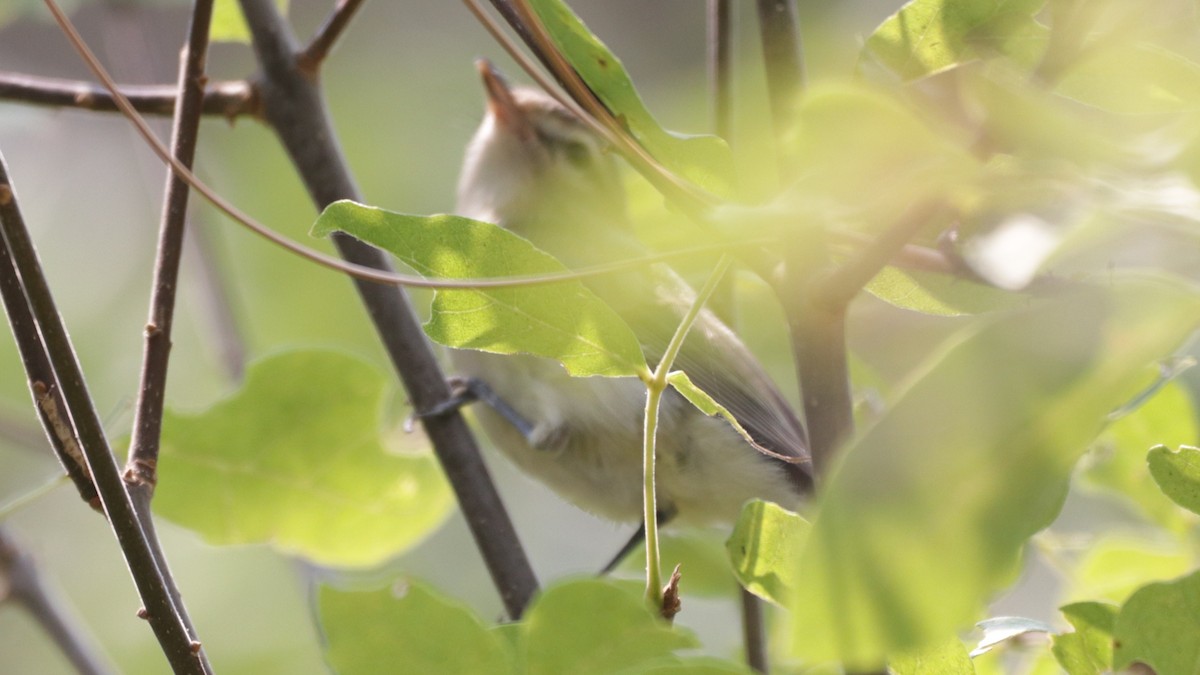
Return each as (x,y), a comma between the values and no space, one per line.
(537,170)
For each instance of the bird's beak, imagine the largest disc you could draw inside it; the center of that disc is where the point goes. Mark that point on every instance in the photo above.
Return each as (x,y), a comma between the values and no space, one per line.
(500,102)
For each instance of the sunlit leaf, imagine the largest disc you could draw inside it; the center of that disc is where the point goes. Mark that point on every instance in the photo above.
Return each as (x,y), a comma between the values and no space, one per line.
(948,657)
(1114,568)
(849,137)
(765,550)
(1160,626)
(1088,649)
(407,629)
(704,160)
(562,321)
(1119,461)
(1001,629)
(939,294)
(925,517)
(228,24)
(593,626)
(928,36)
(294,458)
(681,383)
(1178,474)
(1134,79)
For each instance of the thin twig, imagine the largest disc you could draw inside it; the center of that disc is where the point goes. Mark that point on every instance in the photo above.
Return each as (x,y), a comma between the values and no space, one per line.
(843,284)
(227,99)
(25,586)
(166,619)
(296,110)
(720,66)
(46,395)
(754,631)
(311,57)
(141,468)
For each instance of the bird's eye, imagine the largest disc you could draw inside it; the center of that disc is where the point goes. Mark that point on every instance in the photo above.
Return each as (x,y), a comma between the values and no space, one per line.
(577,153)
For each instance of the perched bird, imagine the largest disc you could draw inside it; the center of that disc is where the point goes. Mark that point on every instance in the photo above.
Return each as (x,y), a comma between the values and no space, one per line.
(537,170)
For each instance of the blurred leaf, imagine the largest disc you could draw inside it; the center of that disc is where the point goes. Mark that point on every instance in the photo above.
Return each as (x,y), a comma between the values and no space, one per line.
(1135,79)
(594,626)
(946,658)
(929,36)
(692,666)
(294,459)
(1119,462)
(704,160)
(765,550)
(411,628)
(702,560)
(1115,568)
(563,321)
(1178,474)
(1087,650)
(939,294)
(1160,626)
(1001,629)
(926,515)
(228,23)
(850,137)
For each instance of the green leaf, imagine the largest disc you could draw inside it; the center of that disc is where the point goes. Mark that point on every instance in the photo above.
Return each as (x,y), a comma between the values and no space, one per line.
(1160,626)
(1133,79)
(1088,650)
(228,23)
(1178,473)
(1116,567)
(704,160)
(945,658)
(765,550)
(849,137)
(680,381)
(925,517)
(1119,462)
(294,459)
(930,36)
(939,294)
(594,626)
(563,321)
(412,629)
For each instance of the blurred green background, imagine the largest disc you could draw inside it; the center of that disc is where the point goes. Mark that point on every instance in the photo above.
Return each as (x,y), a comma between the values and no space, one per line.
(405,99)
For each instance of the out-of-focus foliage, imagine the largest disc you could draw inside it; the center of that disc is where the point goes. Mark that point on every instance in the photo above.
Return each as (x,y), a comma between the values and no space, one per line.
(1160,626)
(295,458)
(583,626)
(765,549)
(229,25)
(1088,649)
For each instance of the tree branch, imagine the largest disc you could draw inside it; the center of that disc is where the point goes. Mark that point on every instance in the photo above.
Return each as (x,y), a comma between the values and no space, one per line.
(311,57)
(227,99)
(167,621)
(779,29)
(19,575)
(296,110)
(47,397)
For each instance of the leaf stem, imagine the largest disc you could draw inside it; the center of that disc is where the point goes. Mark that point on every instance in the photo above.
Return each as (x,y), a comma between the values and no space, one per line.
(656,384)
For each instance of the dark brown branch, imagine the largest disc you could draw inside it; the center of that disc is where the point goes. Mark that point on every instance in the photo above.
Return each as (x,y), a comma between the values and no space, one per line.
(25,586)
(754,631)
(227,99)
(784,62)
(720,66)
(295,108)
(311,57)
(167,621)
